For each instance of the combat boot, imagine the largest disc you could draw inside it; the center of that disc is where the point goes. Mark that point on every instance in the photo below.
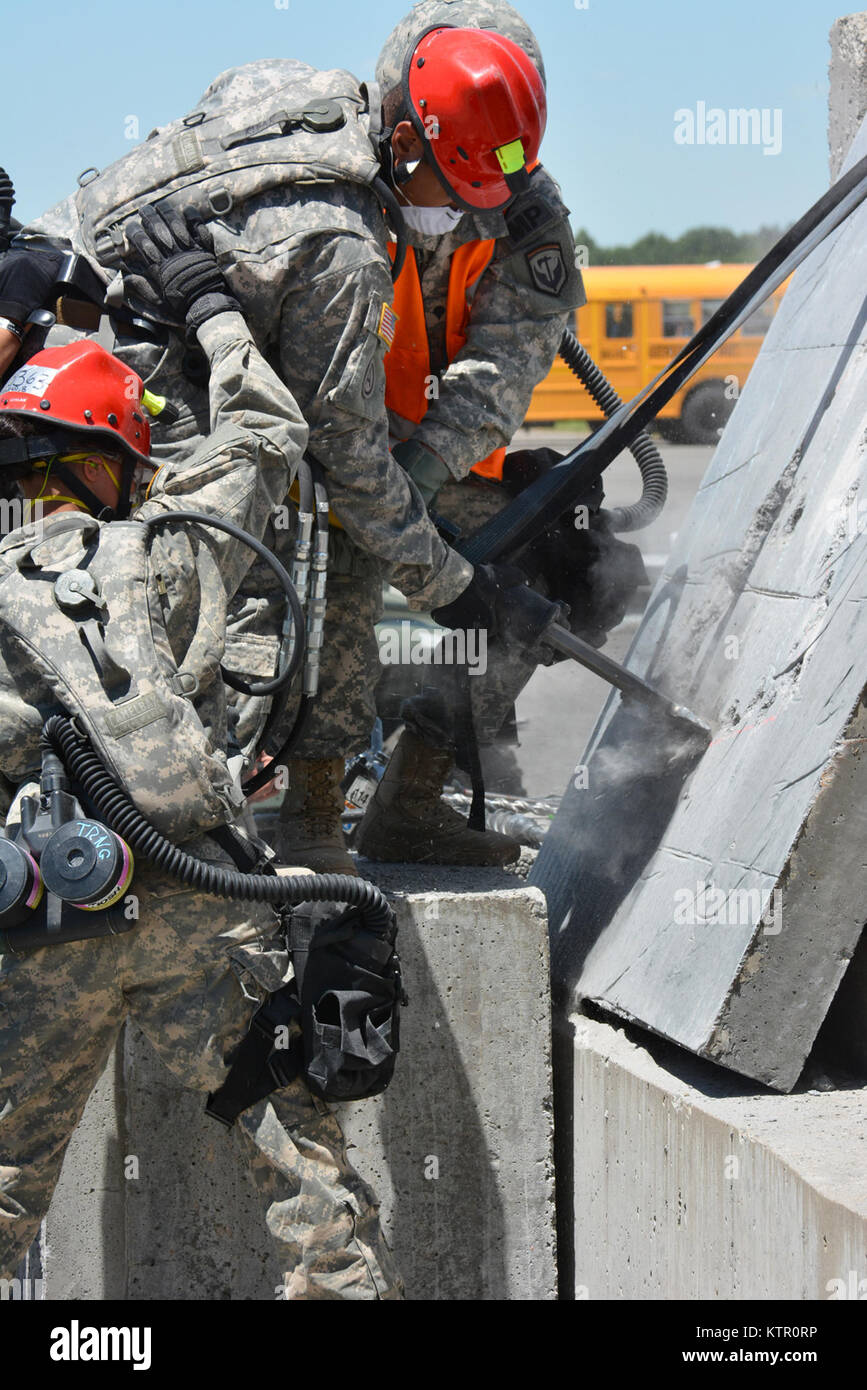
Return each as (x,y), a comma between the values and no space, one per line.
(309,831)
(407,822)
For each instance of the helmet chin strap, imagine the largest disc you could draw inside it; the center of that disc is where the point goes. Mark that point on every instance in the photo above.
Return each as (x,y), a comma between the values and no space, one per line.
(396,172)
(82,493)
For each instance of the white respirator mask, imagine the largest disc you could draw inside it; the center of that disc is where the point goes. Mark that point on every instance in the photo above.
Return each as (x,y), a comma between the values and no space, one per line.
(431,221)
(426,221)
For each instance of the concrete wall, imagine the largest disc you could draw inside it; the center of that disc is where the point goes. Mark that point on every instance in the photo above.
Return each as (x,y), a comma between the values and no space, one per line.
(688,1184)
(848,76)
(459,1149)
(677,1179)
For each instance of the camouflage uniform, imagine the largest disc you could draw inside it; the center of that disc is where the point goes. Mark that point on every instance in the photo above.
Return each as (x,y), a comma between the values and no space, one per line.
(311,273)
(185,974)
(483,396)
(513,333)
(461,14)
(516,323)
(518,314)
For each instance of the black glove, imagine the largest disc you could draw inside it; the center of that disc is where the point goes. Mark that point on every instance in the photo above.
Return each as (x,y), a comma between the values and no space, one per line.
(176,271)
(523,466)
(424,468)
(591,571)
(26,281)
(478,605)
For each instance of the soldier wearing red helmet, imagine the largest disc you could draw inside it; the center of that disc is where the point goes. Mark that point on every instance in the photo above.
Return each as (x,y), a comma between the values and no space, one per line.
(178,971)
(482,304)
(478,105)
(87,429)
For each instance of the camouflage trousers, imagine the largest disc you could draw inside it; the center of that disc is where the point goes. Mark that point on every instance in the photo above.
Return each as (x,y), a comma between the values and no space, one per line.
(341,718)
(469,505)
(345,708)
(179,976)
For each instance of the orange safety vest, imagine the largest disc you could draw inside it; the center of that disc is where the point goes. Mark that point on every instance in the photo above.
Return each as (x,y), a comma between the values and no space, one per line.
(407,363)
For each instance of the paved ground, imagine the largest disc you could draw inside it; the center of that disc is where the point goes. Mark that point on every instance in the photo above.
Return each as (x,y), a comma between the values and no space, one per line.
(558,709)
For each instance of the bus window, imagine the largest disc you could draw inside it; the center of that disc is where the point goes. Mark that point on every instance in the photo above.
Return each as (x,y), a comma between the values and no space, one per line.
(757,325)
(709,308)
(618,320)
(677,318)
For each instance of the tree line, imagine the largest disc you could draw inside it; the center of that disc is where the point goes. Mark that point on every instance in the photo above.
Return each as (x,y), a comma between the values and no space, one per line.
(694,247)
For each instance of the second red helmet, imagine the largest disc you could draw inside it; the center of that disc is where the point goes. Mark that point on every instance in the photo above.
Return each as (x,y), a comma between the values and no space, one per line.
(82,388)
(478,102)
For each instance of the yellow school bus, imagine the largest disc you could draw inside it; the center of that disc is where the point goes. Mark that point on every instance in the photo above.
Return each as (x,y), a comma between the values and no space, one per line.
(637,317)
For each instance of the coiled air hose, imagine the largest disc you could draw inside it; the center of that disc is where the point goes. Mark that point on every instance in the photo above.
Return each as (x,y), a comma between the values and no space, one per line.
(650,465)
(284,677)
(398,224)
(300,583)
(121,815)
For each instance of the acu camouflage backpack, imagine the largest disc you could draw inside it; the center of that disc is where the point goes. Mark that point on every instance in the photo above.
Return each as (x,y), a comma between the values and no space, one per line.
(271,125)
(83,632)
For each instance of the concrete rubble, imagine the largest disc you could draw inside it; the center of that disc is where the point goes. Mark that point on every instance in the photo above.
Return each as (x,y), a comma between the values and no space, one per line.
(690,1185)
(723,915)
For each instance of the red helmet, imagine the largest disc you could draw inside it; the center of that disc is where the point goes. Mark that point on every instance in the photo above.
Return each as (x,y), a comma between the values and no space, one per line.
(478,102)
(83,389)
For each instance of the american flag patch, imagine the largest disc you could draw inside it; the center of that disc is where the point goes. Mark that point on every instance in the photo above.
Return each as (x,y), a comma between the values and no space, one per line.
(387,324)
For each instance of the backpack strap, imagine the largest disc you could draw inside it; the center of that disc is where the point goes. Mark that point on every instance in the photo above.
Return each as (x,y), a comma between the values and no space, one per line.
(317,117)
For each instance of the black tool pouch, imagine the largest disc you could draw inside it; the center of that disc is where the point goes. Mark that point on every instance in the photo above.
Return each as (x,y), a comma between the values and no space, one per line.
(349,987)
(337,1023)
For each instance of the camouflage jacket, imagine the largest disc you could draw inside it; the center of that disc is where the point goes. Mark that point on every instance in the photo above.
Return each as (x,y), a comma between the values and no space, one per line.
(240,473)
(524,299)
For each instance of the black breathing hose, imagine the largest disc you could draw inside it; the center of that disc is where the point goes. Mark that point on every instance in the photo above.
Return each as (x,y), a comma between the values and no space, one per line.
(124,818)
(285,677)
(268,772)
(650,465)
(308,495)
(398,225)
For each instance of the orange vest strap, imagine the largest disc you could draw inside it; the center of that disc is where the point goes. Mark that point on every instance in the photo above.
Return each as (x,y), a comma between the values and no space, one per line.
(408,376)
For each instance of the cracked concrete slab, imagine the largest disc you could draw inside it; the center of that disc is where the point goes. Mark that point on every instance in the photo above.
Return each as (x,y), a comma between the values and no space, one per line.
(723,913)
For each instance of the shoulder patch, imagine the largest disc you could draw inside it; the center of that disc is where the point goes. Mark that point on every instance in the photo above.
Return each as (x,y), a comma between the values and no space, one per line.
(526,218)
(548,268)
(387,326)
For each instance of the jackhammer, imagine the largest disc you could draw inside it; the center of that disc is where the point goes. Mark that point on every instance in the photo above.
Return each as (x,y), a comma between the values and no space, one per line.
(571,482)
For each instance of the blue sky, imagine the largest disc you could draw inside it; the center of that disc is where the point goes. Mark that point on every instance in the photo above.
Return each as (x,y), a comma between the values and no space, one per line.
(618,70)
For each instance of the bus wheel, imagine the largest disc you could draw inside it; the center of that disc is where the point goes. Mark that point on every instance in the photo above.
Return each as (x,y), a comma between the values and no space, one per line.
(670,430)
(705,412)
